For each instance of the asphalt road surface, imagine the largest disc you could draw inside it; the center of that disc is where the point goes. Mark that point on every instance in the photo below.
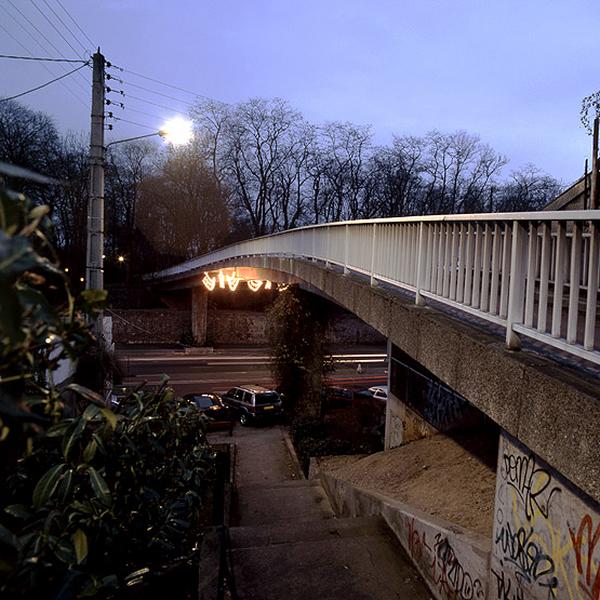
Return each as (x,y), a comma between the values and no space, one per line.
(220,370)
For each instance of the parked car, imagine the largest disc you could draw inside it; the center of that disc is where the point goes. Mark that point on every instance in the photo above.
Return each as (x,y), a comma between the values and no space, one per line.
(210,405)
(380,392)
(251,403)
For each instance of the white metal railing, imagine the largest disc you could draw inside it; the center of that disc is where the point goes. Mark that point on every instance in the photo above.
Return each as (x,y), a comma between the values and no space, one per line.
(536,273)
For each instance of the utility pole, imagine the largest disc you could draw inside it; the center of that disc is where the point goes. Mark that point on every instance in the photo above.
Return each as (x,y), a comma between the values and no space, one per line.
(594,191)
(94,267)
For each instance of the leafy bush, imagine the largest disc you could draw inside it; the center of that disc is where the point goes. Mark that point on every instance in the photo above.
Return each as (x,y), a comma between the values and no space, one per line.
(94,502)
(106,500)
(317,437)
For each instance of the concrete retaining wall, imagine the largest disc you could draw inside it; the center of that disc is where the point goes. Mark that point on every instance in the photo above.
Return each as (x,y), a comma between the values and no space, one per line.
(546,541)
(453,562)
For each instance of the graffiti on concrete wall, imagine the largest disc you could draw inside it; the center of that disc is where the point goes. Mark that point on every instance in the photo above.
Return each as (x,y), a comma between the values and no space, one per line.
(452,573)
(434,402)
(546,540)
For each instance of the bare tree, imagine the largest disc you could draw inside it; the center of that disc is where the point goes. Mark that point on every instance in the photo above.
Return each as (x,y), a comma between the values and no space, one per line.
(181,212)
(345,150)
(27,139)
(399,172)
(528,189)
(128,165)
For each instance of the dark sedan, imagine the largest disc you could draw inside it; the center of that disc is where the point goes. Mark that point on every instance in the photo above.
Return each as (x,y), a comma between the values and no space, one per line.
(209,405)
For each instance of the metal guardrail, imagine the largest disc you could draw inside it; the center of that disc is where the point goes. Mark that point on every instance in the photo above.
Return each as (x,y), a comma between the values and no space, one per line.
(536,274)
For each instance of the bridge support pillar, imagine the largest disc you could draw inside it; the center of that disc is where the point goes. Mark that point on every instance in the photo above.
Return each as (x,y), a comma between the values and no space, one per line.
(199,315)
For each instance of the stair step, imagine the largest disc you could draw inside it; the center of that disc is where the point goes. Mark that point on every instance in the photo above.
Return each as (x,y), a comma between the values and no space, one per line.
(257,505)
(293,532)
(353,564)
(290,483)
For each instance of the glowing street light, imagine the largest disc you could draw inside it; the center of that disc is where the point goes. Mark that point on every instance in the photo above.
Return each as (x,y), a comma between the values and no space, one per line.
(177,131)
(121,259)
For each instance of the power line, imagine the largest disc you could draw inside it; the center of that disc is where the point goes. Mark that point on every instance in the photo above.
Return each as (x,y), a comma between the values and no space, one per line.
(38,58)
(45,49)
(147,114)
(38,31)
(39,87)
(150,102)
(141,87)
(87,37)
(14,38)
(65,26)
(53,26)
(134,123)
(169,85)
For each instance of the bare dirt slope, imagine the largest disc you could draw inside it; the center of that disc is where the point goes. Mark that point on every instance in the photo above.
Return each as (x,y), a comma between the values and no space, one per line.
(449,478)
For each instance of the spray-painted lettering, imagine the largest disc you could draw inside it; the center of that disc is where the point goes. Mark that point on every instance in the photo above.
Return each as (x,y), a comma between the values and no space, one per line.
(585,541)
(532,483)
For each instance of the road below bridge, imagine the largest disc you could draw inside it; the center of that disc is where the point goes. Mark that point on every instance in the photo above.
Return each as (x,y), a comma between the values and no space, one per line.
(223,368)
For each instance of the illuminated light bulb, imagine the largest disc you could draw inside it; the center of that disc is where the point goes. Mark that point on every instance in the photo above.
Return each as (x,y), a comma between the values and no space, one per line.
(233,281)
(254,285)
(177,131)
(81,279)
(209,282)
(221,280)
(281,287)
(121,259)
(66,269)
(268,285)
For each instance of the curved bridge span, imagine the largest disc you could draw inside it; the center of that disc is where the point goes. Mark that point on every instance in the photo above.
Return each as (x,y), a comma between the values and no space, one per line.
(454,296)
(534,274)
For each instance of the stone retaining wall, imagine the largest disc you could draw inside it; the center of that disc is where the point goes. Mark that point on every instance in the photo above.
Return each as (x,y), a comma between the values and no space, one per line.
(147,326)
(224,327)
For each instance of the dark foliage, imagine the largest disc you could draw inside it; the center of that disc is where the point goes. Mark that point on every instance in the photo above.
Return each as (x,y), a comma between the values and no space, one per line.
(94,502)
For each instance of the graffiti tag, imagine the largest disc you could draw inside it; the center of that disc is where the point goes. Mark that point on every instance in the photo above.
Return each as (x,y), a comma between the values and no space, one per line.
(504,587)
(453,580)
(584,545)
(531,563)
(532,483)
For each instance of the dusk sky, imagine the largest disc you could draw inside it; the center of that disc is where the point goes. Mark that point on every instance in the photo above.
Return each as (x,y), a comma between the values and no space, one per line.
(512,71)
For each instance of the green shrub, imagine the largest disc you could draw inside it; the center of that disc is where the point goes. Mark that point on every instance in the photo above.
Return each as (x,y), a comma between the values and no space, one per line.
(94,502)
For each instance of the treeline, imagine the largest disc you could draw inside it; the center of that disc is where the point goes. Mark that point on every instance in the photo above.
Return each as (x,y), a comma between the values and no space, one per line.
(255,168)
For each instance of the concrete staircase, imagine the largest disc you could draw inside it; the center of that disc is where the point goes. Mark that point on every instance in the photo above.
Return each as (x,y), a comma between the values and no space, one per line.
(287,544)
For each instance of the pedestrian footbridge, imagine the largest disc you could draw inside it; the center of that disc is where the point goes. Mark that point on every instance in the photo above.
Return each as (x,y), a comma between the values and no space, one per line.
(535,275)
(501,312)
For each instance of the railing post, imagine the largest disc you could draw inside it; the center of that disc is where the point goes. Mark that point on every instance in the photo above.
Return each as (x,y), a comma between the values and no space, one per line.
(516,291)
(314,257)
(373,280)
(422,260)
(346,234)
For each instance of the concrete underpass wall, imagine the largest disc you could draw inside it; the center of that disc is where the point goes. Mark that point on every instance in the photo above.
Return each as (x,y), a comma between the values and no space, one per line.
(546,540)
(420,405)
